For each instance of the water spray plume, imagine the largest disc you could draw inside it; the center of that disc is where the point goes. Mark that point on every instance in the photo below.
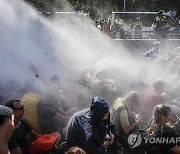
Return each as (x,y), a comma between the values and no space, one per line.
(55,46)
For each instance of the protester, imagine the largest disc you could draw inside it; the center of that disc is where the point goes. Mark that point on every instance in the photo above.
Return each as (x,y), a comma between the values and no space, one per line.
(125,119)
(161,128)
(53,114)
(155,97)
(18,143)
(55,92)
(91,130)
(6,128)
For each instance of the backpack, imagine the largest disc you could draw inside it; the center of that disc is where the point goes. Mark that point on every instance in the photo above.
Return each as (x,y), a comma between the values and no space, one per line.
(30,101)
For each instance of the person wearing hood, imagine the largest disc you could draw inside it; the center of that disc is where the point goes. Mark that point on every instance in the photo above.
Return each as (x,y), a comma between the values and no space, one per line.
(91,129)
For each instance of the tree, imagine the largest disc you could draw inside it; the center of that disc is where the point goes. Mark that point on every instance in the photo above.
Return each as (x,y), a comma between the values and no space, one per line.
(101,7)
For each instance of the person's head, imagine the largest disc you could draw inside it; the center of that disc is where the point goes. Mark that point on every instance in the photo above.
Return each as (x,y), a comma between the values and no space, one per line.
(5,112)
(161,114)
(75,150)
(132,99)
(17,107)
(99,109)
(159,86)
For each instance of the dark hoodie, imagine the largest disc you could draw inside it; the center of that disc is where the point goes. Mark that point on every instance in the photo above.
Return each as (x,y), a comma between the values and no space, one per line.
(86,129)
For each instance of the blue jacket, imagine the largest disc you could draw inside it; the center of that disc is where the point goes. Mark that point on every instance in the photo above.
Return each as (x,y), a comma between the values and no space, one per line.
(87,130)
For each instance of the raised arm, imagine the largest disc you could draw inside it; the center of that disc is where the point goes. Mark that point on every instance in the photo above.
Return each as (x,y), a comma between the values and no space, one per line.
(38,74)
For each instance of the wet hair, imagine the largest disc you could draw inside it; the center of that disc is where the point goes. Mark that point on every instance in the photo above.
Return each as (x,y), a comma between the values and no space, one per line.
(75,150)
(132,98)
(10,103)
(161,111)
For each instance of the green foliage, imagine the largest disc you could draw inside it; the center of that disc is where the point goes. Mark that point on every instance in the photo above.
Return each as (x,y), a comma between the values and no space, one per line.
(106,6)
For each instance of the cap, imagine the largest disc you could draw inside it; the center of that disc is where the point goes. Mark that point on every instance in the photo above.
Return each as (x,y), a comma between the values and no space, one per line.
(5,111)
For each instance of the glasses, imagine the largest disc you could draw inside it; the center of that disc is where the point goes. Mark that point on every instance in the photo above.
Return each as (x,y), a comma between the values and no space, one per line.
(20,108)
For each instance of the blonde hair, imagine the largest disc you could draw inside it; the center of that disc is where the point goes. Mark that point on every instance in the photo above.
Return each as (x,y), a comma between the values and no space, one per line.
(131,98)
(75,150)
(161,111)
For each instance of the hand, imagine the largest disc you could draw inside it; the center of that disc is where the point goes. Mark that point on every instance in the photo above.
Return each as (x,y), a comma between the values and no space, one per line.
(137,119)
(33,68)
(111,138)
(108,143)
(105,145)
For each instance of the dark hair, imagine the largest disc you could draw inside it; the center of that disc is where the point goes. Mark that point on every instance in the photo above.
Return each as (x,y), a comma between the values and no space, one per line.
(10,103)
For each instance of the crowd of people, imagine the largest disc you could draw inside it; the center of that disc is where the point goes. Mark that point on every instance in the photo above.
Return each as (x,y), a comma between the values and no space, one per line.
(123,28)
(93,112)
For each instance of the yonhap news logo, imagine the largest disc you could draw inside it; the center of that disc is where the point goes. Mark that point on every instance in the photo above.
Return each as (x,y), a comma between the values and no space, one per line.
(135,140)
